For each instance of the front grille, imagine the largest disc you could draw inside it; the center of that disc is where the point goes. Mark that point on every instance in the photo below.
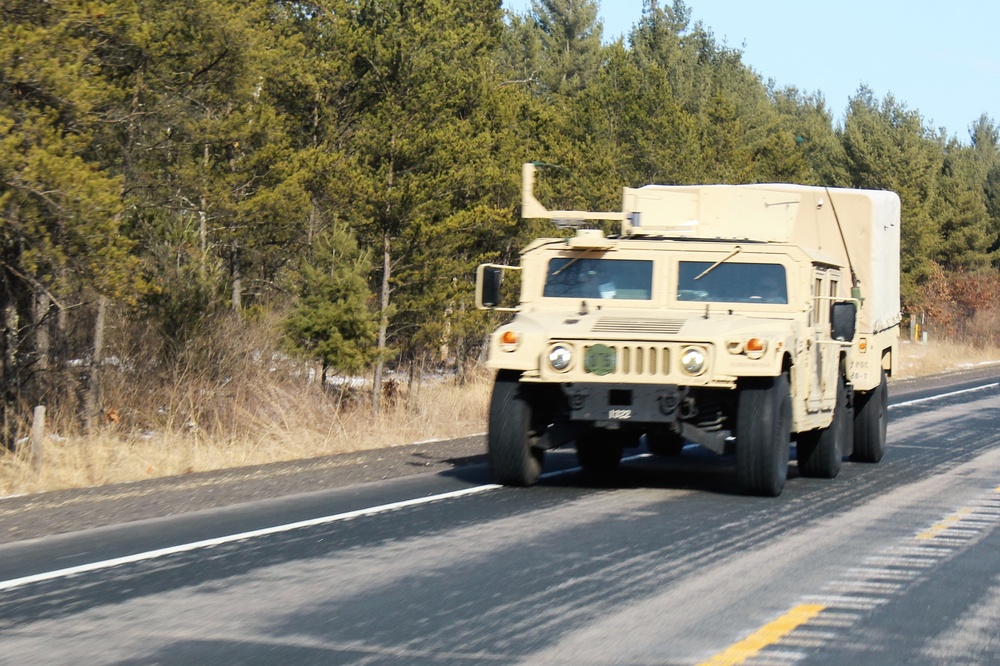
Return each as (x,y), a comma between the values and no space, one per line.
(640,360)
(632,325)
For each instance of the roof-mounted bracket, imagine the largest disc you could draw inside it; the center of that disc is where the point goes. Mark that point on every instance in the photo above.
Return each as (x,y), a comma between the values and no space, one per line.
(531,208)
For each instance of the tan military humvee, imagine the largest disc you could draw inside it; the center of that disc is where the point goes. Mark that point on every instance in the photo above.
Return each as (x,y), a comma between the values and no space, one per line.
(724,316)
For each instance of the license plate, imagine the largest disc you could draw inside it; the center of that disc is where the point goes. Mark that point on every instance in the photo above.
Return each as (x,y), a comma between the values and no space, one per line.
(599,359)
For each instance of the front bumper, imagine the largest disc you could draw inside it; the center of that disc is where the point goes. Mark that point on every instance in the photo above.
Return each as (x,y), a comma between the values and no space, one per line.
(624,403)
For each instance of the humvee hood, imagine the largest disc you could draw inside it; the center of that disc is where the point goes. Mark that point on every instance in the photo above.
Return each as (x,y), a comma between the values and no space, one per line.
(605,325)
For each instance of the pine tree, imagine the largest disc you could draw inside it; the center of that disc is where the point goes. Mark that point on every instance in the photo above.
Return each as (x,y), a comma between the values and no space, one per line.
(985,137)
(331,321)
(810,123)
(888,147)
(628,130)
(569,36)
(59,241)
(741,136)
(965,228)
(426,148)
(207,147)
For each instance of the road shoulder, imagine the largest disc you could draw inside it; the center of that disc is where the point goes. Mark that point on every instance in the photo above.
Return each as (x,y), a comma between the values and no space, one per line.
(42,514)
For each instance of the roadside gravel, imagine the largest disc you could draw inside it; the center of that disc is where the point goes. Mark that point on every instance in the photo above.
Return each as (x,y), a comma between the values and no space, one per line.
(37,515)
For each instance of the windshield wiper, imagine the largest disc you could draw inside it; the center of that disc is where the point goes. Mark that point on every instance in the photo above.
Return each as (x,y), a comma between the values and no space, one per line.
(571,262)
(719,262)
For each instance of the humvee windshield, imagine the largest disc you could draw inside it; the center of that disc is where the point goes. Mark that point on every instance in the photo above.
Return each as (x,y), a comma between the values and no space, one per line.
(580,277)
(732,282)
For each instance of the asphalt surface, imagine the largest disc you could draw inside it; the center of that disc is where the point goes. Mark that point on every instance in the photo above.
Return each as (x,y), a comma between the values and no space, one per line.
(888,563)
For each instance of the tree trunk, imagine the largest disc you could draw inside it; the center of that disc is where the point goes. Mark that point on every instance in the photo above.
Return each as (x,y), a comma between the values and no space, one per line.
(60,351)
(237,281)
(313,224)
(203,240)
(8,402)
(461,350)
(416,379)
(43,346)
(203,219)
(94,384)
(43,343)
(411,394)
(383,326)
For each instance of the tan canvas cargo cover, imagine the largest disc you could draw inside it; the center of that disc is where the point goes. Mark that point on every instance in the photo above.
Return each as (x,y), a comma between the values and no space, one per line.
(856,228)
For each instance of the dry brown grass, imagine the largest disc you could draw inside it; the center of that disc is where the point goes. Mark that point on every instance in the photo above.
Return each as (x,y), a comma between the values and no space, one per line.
(290,429)
(220,402)
(919,360)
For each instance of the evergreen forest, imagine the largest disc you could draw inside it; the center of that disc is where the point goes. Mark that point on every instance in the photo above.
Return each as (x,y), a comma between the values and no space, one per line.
(176,174)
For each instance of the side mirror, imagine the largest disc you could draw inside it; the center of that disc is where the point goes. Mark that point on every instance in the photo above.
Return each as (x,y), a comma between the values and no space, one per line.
(493,292)
(843,320)
(489,286)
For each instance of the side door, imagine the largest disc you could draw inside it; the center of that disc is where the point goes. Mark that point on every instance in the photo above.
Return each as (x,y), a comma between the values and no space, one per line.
(824,352)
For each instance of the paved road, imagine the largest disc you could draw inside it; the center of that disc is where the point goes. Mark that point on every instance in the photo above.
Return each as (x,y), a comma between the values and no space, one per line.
(888,563)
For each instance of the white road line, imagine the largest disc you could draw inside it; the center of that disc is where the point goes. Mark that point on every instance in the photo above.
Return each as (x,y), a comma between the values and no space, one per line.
(943,395)
(208,543)
(266,531)
(448,439)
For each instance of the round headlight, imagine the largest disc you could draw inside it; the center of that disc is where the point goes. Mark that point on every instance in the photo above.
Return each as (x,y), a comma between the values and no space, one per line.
(559,357)
(693,361)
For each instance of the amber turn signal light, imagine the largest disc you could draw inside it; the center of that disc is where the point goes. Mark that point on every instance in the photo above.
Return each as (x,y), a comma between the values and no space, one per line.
(509,340)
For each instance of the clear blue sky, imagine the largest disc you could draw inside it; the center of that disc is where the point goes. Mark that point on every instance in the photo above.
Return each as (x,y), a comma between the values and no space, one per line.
(939,58)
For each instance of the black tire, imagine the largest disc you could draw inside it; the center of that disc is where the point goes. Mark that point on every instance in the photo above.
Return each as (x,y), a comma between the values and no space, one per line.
(598,452)
(667,444)
(821,452)
(763,435)
(871,417)
(513,459)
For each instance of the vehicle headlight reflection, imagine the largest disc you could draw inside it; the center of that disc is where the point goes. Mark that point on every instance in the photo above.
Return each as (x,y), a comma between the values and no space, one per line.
(693,360)
(560,357)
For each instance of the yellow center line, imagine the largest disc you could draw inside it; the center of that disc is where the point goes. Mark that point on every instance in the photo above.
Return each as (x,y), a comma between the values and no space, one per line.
(767,635)
(937,528)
